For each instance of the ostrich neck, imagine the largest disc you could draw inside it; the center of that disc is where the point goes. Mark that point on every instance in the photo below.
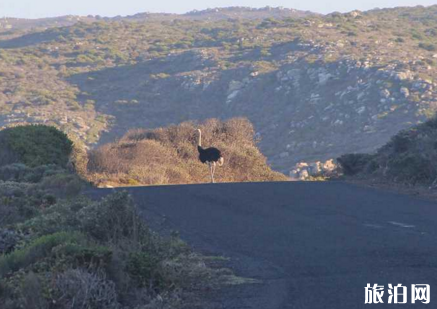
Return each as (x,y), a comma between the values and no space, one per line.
(200,138)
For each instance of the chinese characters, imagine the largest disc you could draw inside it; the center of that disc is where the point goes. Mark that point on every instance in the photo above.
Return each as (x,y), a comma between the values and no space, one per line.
(397,294)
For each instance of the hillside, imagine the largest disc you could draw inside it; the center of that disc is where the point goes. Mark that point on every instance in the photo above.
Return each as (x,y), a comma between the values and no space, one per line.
(409,158)
(8,24)
(314,86)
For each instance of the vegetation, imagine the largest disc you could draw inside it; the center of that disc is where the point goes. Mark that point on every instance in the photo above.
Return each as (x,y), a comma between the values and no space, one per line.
(169,156)
(61,250)
(44,73)
(97,78)
(409,158)
(34,145)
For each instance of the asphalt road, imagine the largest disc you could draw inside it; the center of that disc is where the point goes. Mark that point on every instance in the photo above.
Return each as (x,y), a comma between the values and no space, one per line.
(313,245)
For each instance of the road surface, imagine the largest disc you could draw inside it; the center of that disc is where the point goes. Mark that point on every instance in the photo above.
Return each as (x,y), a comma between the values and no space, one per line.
(312,244)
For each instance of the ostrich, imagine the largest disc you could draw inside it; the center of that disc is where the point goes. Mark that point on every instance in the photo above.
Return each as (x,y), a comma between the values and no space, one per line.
(211,155)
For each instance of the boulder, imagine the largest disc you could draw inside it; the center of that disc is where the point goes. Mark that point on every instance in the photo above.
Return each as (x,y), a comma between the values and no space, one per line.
(303,175)
(400,76)
(385,93)
(354,14)
(303,170)
(315,168)
(361,109)
(329,166)
(324,78)
(405,92)
(301,165)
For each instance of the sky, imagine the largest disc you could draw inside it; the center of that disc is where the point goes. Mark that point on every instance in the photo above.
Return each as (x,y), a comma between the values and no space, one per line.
(51,8)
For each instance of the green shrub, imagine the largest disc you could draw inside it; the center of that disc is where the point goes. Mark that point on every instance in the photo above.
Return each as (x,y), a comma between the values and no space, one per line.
(63,184)
(32,290)
(57,218)
(80,255)
(428,46)
(23,290)
(36,145)
(37,250)
(22,173)
(19,202)
(144,269)
(111,220)
(412,169)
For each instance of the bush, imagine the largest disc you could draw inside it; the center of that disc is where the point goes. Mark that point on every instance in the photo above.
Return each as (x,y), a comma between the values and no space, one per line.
(169,155)
(33,292)
(8,240)
(19,172)
(401,142)
(34,145)
(112,219)
(19,201)
(93,254)
(428,46)
(79,159)
(144,268)
(410,157)
(353,164)
(412,169)
(79,289)
(63,184)
(57,218)
(83,255)
(39,249)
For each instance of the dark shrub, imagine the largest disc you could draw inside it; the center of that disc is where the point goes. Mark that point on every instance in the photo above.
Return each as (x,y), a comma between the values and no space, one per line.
(410,157)
(401,142)
(353,164)
(35,145)
(19,201)
(412,168)
(20,172)
(428,46)
(113,219)
(144,268)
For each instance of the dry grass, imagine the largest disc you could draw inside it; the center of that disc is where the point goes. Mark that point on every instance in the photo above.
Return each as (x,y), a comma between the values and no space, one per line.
(169,156)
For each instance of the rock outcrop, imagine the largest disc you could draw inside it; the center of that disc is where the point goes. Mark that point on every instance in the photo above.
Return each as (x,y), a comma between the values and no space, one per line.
(307,171)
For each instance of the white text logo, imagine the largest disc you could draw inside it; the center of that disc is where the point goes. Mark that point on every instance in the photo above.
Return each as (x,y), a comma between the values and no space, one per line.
(397,294)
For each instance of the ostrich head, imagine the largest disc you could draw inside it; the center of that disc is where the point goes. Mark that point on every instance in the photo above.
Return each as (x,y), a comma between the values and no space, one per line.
(200,137)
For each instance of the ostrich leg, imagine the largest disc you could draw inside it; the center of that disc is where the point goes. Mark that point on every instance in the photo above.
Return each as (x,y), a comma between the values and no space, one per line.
(213,171)
(210,172)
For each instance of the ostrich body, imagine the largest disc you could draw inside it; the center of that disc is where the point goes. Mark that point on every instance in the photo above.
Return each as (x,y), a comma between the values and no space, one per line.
(211,155)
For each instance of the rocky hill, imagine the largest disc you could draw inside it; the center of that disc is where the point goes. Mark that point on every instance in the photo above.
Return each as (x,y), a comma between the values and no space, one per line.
(8,24)
(314,86)
(12,24)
